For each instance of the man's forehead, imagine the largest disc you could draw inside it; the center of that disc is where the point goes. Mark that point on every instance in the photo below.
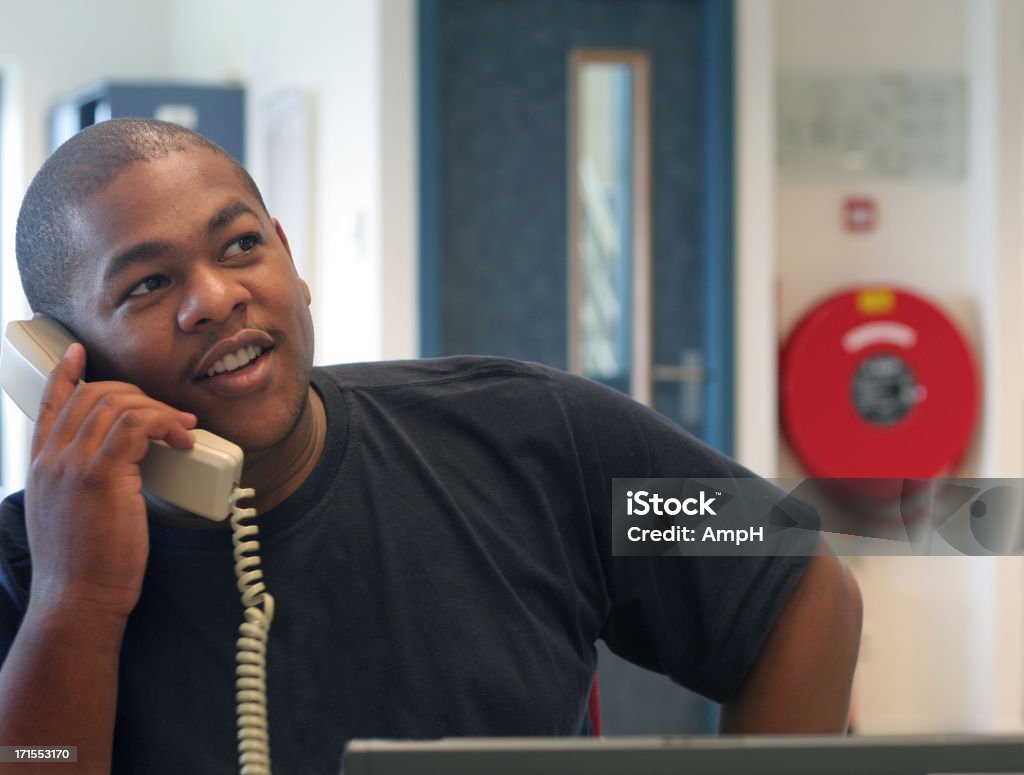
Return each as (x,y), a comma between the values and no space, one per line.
(189,162)
(146,187)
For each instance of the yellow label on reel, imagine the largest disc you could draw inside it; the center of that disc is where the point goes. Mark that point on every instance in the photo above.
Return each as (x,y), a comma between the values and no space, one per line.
(877,301)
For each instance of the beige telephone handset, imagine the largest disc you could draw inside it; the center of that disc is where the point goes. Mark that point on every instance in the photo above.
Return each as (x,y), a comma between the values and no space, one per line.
(203,480)
(200,480)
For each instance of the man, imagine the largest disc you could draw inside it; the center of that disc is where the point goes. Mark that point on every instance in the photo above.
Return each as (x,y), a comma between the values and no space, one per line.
(436,534)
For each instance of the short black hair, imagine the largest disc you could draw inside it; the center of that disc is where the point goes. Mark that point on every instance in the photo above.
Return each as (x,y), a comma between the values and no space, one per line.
(45,243)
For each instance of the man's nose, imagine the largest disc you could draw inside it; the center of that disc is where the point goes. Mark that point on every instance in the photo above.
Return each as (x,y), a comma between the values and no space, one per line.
(211,296)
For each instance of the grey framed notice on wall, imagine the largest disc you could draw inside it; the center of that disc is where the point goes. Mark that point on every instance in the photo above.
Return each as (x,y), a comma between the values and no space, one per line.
(876,125)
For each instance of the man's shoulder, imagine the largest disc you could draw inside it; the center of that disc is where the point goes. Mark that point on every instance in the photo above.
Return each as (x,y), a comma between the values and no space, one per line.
(435,371)
(528,385)
(15,561)
(12,523)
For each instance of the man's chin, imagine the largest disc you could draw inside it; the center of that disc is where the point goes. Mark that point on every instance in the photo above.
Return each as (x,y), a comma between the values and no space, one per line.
(258,434)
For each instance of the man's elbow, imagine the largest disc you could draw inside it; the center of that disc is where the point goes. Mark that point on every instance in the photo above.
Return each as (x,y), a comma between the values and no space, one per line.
(839,590)
(854,606)
(845,631)
(802,678)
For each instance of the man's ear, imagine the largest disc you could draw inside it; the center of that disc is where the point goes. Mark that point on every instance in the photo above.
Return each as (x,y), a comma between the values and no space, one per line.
(284,241)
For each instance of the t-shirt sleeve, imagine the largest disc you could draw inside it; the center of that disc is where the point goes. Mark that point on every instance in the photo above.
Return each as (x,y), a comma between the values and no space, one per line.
(699,620)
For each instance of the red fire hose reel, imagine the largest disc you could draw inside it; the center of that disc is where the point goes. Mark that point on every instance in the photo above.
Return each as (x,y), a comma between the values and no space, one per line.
(878,383)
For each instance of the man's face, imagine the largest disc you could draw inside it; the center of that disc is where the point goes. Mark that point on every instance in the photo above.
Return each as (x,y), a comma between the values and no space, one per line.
(184,278)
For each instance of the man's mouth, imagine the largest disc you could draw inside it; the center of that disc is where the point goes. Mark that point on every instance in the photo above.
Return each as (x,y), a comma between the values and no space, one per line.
(235,361)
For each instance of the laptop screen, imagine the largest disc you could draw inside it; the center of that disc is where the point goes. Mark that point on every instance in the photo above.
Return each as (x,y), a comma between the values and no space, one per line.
(739,755)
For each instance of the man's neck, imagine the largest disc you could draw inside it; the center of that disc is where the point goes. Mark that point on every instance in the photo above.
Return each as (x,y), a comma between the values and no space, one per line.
(278,472)
(264,471)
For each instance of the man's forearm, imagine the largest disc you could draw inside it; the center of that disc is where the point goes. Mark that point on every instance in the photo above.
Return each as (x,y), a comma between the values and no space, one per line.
(801,680)
(58,685)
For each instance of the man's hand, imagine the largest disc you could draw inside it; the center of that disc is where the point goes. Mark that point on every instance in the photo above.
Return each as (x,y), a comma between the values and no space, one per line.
(801,679)
(85,513)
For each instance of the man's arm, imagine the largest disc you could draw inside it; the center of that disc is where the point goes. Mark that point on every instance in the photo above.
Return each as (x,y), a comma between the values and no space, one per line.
(85,517)
(59,684)
(801,679)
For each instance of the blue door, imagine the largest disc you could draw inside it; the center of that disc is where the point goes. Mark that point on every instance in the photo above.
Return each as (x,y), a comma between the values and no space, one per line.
(497,219)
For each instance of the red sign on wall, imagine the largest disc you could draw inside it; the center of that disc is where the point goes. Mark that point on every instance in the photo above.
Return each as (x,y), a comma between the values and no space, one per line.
(860,213)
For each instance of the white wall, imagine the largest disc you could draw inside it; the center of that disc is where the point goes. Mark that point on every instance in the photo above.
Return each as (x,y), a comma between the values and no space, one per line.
(399,180)
(755,364)
(943,637)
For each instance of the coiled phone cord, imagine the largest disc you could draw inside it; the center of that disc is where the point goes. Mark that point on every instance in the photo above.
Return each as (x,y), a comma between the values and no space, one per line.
(251,647)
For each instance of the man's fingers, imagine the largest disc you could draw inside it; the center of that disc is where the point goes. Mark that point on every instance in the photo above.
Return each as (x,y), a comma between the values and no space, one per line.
(179,437)
(93,415)
(60,386)
(103,400)
(127,439)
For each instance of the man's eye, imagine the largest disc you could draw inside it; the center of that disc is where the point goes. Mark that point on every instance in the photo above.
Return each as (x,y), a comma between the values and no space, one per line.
(242,245)
(149,285)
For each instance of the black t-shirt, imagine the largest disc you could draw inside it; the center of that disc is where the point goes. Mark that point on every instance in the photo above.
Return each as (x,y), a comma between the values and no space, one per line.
(445,570)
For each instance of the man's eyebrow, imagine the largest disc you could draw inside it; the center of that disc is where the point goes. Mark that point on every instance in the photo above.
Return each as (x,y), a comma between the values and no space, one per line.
(227,214)
(146,251)
(136,254)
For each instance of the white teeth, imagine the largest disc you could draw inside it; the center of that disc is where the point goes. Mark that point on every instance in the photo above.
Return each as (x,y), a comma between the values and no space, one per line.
(233,361)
